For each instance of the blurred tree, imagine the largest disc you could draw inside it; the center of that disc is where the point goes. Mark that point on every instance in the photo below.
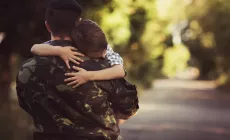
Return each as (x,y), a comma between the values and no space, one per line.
(206,35)
(211,29)
(175,54)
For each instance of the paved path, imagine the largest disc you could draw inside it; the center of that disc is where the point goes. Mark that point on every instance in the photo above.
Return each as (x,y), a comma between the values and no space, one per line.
(181,110)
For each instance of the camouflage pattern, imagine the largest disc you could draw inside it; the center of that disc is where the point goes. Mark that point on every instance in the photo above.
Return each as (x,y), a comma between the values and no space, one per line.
(89,112)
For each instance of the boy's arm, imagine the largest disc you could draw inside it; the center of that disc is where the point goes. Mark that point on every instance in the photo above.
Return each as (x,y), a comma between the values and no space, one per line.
(45,50)
(116,71)
(67,54)
(82,76)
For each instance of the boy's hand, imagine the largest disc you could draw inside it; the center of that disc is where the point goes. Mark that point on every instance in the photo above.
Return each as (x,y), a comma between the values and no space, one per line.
(69,54)
(78,78)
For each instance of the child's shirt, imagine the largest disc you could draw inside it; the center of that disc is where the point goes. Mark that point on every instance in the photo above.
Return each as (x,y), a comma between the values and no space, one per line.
(113,57)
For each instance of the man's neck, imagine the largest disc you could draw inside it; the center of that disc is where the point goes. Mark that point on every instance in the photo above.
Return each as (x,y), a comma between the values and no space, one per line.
(53,38)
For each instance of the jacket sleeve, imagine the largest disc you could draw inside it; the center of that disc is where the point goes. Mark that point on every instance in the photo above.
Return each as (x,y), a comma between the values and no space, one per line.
(124,99)
(26,89)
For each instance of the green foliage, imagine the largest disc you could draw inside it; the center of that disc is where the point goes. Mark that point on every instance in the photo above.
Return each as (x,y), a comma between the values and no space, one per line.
(213,35)
(209,31)
(175,60)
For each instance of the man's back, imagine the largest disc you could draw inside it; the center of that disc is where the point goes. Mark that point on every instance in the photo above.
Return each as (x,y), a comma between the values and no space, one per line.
(60,110)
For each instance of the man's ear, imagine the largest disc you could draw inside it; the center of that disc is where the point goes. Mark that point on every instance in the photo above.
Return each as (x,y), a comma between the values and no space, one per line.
(47,26)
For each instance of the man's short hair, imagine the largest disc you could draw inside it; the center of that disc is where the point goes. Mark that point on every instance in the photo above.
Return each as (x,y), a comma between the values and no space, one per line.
(61,16)
(89,38)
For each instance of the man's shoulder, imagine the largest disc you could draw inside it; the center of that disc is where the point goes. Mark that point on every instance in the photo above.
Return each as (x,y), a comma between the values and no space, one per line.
(35,60)
(41,61)
(95,64)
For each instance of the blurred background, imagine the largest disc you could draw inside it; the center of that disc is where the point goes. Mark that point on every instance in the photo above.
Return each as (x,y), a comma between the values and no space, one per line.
(176,51)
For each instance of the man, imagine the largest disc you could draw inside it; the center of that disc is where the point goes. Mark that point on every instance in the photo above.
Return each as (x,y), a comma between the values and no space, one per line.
(89,112)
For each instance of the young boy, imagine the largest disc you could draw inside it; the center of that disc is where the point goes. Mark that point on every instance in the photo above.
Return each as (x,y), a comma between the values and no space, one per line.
(69,53)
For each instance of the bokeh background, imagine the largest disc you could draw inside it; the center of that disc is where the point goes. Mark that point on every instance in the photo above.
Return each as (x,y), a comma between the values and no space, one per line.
(176,51)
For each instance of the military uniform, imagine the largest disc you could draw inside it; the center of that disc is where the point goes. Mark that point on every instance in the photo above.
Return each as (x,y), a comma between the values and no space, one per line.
(89,112)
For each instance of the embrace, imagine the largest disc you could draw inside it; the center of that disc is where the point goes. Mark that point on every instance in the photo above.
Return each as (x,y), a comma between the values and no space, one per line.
(74,86)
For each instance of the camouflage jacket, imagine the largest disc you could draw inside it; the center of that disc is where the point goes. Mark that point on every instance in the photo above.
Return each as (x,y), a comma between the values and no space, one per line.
(59,112)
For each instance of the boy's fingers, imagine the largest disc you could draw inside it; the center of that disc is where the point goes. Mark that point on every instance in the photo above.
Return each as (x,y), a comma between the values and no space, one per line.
(73,48)
(70,79)
(77,85)
(77,58)
(70,74)
(72,83)
(67,64)
(77,68)
(78,54)
(74,61)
